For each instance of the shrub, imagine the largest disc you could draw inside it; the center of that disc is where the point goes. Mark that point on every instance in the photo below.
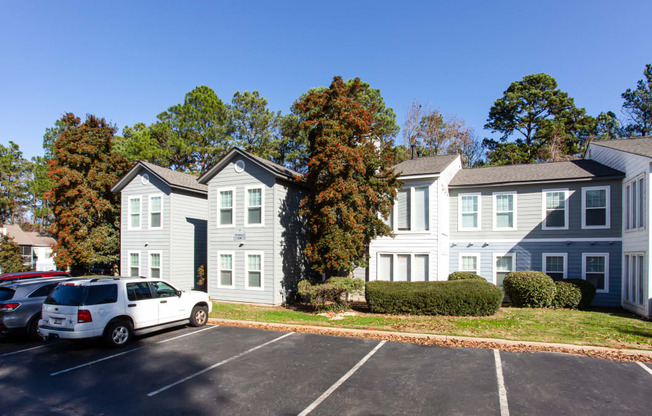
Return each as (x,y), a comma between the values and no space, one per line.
(530,289)
(333,294)
(567,296)
(453,298)
(587,289)
(464,276)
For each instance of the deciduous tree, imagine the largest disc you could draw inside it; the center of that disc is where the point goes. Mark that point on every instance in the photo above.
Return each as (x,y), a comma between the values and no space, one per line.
(10,259)
(638,105)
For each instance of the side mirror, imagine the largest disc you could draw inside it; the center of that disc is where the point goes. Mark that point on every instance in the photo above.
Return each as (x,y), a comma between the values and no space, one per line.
(179,293)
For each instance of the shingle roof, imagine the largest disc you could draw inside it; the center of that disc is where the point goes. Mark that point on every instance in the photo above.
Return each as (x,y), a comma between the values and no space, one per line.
(25,238)
(173,178)
(424,165)
(534,172)
(280,170)
(274,168)
(638,146)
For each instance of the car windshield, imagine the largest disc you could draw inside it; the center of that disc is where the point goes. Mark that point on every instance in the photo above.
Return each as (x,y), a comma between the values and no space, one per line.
(66,295)
(6,294)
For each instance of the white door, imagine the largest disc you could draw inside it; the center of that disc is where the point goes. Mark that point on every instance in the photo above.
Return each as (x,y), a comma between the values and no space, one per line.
(141,305)
(170,306)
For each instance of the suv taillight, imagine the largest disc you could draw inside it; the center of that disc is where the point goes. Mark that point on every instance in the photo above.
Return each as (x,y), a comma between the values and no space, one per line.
(9,306)
(84,316)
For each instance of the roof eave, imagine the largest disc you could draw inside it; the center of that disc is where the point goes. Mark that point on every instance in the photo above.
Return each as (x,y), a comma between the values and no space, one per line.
(203,179)
(544,181)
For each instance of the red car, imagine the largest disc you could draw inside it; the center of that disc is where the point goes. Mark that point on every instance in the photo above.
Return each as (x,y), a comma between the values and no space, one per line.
(31,275)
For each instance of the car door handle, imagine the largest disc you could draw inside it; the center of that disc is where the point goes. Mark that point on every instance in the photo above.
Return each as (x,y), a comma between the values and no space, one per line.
(164,301)
(132,305)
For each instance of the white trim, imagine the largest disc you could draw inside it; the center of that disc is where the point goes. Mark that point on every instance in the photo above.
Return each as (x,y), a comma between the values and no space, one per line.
(219,269)
(419,177)
(140,212)
(606,271)
(540,240)
(607,225)
(639,276)
(140,262)
(544,206)
(478,213)
(543,263)
(514,211)
(395,255)
(262,205)
(219,207)
(629,209)
(262,269)
(149,264)
(494,270)
(477,262)
(149,211)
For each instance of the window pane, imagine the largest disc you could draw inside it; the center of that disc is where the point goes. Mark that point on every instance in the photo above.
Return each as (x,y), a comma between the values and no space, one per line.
(421,204)
(226,216)
(504,203)
(254,279)
(156,204)
(138,291)
(500,277)
(420,271)
(226,278)
(155,273)
(595,264)
(254,216)
(596,198)
(402,268)
(641,281)
(641,202)
(556,219)
(155,259)
(134,271)
(596,216)
(156,219)
(628,207)
(385,267)
(555,200)
(135,206)
(226,199)
(469,220)
(254,262)
(470,264)
(597,279)
(470,203)
(404,209)
(226,262)
(255,197)
(163,290)
(634,205)
(133,259)
(554,264)
(504,263)
(505,220)
(628,279)
(135,220)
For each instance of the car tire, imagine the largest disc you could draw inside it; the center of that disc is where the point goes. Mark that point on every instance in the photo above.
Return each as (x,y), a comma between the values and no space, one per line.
(32,330)
(199,316)
(118,333)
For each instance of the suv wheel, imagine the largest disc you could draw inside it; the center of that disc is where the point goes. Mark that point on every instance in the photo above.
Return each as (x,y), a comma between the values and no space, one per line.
(32,330)
(199,316)
(118,333)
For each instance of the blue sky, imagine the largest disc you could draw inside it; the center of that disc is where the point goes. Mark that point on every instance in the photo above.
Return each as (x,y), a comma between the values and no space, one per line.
(129,61)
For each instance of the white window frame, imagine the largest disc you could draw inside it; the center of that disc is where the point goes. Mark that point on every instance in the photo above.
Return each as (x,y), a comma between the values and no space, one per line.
(607,225)
(140,212)
(459,212)
(140,262)
(219,269)
(149,263)
(495,211)
(606,271)
(149,211)
(544,205)
(632,212)
(494,269)
(395,265)
(219,207)
(262,206)
(543,262)
(477,262)
(639,276)
(262,269)
(413,210)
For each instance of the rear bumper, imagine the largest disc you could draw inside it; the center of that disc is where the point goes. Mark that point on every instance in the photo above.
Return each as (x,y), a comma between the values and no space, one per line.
(64,333)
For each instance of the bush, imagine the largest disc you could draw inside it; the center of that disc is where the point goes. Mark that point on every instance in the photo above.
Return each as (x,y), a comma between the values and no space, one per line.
(464,276)
(452,298)
(530,289)
(333,294)
(587,289)
(567,296)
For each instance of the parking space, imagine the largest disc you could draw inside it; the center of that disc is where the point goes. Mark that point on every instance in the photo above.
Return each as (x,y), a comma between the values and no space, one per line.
(223,370)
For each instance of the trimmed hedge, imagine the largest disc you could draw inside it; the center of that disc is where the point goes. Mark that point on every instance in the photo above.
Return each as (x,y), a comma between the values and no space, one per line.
(568,295)
(587,289)
(464,276)
(452,298)
(530,289)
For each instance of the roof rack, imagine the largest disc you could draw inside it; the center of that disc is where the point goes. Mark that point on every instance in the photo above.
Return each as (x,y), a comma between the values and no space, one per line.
(98,278)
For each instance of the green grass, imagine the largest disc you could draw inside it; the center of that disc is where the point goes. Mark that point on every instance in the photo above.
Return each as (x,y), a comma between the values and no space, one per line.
(614,329)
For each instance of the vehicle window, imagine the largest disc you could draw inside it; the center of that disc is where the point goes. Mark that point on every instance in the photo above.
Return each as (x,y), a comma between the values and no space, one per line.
(42,291)
(100,294)
(66,294)
(6,294)
(138,291)
(163,290)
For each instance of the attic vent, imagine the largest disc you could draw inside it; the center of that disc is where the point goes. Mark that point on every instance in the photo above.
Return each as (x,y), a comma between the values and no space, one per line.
(144,179)
(239,166)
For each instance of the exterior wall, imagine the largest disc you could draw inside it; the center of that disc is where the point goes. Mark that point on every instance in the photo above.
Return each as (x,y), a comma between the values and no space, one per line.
(258,238)
(529,256)
(634,241)
(145,240)
(188,243)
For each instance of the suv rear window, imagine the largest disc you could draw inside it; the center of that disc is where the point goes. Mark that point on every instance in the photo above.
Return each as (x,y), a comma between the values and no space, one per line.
(66,295)
(100,294)
(6,294)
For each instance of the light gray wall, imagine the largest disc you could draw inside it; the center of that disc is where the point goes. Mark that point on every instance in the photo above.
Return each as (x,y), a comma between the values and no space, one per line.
(188,242)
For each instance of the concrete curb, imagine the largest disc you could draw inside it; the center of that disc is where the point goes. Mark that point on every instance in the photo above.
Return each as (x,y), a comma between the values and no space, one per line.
(449,341)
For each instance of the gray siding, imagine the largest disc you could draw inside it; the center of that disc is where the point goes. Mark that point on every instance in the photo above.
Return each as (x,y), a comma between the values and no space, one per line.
(529,212)
(188,242)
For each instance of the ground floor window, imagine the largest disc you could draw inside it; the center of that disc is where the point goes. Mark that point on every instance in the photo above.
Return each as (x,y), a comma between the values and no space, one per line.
(469,262)
(254,270)
(634,278)
(155,265)
(595,269)
(134,264)
(555,264)
(225,269)
(504,264)
(403,267)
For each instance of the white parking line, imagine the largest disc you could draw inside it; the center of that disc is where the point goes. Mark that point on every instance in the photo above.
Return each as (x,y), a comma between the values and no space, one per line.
(645,367)
(198,373)
(341,381)
(502,391)
(125,352)
(18,352)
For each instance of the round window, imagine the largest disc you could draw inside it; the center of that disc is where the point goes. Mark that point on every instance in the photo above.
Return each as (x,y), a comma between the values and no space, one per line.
(239,166)
(144,179)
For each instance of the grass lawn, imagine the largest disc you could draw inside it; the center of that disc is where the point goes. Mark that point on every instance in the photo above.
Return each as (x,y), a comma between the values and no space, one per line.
(613,328)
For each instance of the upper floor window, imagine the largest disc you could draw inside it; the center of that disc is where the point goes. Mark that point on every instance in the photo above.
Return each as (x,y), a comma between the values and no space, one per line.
(595,207)
(134,213)
(555,209)
(156,211)
(413,210)
(635,204)
(404,209)
(504,210)
(226,206)
(469,212)
(254,206)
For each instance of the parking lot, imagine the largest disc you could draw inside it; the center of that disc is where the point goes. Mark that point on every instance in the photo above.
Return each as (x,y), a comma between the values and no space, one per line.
(224,370)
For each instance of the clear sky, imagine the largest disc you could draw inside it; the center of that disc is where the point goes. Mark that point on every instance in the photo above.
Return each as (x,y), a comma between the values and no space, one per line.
(127,61)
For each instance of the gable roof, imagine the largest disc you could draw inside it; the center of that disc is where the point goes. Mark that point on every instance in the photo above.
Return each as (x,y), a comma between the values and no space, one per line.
(581,169)
(424,165)
(641,146)
(25,238)
(274,168)
(172,178)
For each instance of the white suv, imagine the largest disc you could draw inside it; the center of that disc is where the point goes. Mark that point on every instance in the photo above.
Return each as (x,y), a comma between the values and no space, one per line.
(118,308)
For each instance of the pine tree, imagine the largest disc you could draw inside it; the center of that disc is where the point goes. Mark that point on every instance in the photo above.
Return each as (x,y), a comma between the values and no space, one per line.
(10,259)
